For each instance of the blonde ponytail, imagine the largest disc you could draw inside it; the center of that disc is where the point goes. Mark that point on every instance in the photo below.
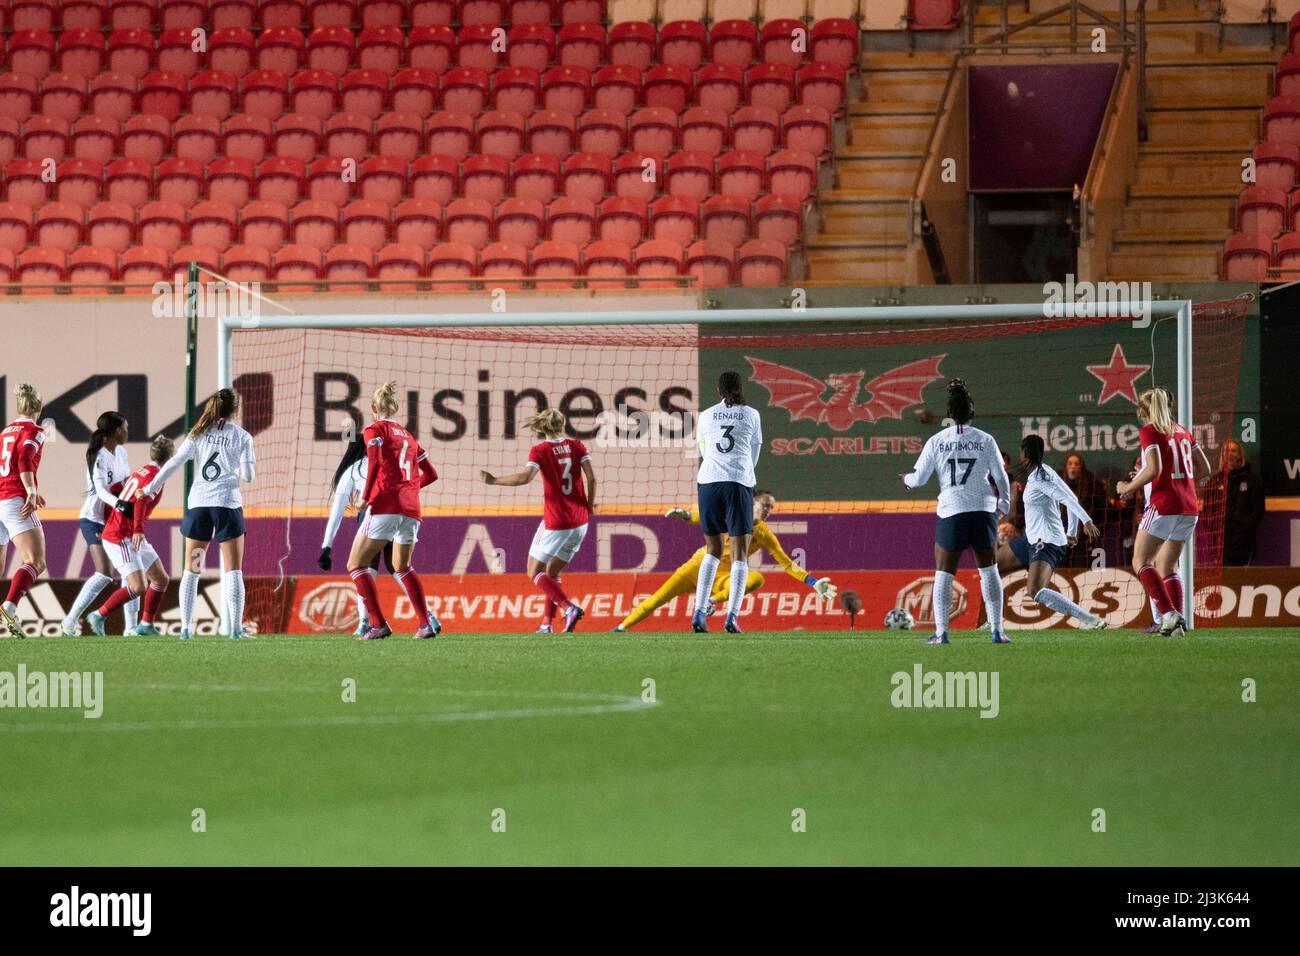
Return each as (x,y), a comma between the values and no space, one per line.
(29,400)
(548,422)
(384,401)
(1153,405)
(161,450)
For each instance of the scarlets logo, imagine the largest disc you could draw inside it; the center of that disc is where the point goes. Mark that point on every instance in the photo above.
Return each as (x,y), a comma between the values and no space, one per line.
(888,394)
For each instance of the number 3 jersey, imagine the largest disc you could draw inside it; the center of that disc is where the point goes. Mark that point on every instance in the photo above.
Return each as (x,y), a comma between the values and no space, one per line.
(564,491)
(731,437)
(222,455)
(1173,492)
(964,458)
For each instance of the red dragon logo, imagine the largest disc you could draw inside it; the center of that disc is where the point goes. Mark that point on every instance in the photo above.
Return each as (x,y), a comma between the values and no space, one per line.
(801,394)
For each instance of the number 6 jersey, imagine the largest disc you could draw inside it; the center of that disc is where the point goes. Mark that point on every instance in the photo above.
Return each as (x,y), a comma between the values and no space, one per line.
(965,458)
(1173,491)
(222,455)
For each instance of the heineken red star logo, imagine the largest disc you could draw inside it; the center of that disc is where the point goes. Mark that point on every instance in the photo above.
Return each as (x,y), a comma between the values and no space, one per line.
(1118,377)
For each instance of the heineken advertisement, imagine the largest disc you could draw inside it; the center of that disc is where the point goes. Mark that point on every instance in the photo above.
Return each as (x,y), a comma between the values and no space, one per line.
(844,414)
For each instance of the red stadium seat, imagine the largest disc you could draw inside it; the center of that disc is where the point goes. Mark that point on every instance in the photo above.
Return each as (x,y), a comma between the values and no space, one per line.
(784,41)
(488,12)
(113,95)
(130,51)
(197,137)
(555,259)
(231,50)
(417,222)
(566,88)
(551,132)
(675,218)
(364,92)
(383,178)
(33,14)
(230,180)
(110,225)
(326,180)
(263,223)
(617,88)
(475,48)
(658,259)
(683,43)
(835,41)
(501,133)
(756,129)
(602,131)
(530,12)
(771,85)
(427,12)
(704,130)
(469,221)
(16,224)
(807,129)
(733,43)
(451,261)
(206,256)
(415,91)
(791,172)
(146,137)
(761,264)
(381,48)
(622,219)
(581,11)
(536,176)
(517,89)
(182,14)
(11,138)
(298,136)
(725,219)
(632,44)
(162,224)
(710,262)
(80,181)
(8,265)
(93,137)
(280,178)
(400,261)
(233,13)
(1276,165)
(400,135)
(247,137)
(46,137)
(315,223)
(213,224)
(582,44)
(163,94)
(503,260)
(82,14)
(1282,120)
(638,174)
(41,266)
(435,178)
(531,46)
(332,13)
(691,175)
(485,176)
(1287,253)
(17,95)
(367,222)
(82,52)
(281,49)
(932,14)
(265,93)
(331,48)
(570,220)
(247,263)
(778,218)
(465,90)
(1261,211)
(24,182)
(451,134)
(520,222)
(653,130)
(128,180)
(430,48)
(283,13)
(143,267)
(588,176)
(314,93)
(382,13)
(63,96)
(31,52)
(348,267)
(821,84)
(607,264)
(214,93)
(180,181)
(296,267)
(668,86)
(720,87)
(347,135)
(90,270)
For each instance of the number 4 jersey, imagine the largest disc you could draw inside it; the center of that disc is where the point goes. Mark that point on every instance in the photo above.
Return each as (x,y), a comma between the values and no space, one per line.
(564,491)
(222,455)
(1173,492)
(965,458)
(395,470)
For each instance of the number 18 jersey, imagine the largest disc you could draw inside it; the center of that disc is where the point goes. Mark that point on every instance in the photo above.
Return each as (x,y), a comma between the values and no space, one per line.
(1173,492)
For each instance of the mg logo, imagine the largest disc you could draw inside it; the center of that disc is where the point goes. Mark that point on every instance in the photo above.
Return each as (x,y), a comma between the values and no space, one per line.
(329,607)
(915,597)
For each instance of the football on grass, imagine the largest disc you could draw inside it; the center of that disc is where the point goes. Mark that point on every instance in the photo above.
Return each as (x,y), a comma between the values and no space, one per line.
(899,620)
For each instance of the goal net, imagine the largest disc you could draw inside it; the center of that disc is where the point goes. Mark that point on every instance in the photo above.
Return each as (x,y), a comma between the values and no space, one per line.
(846,405)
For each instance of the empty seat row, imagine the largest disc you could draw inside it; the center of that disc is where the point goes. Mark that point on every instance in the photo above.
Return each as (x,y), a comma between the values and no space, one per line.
(350,267)
(1247,257)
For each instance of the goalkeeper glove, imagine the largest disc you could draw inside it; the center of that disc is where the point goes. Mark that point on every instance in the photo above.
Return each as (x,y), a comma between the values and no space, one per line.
(126,507)
(678,513)
(824,588)
(326,560)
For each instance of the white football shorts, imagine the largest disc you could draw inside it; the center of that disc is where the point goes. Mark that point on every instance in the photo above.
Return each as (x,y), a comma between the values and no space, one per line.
(1168,527)
(127,558)
(562,543)
(399,529)
(13,522)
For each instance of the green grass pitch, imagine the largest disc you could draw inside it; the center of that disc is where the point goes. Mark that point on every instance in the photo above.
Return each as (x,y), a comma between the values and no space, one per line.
(744,732)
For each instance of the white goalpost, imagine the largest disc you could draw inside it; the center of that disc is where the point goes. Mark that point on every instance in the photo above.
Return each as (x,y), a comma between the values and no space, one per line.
(1180,310)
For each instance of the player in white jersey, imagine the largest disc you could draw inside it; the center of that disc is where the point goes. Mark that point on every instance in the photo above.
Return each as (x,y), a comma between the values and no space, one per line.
(107,466)
(730,437)
(1046,542)
(222,453)
(965,458)
(349,484)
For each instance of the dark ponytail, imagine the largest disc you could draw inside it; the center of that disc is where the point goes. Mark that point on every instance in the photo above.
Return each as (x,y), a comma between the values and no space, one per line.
(961,407)
(220,406)
(1031,446)
(105,425)
(729,387)
(356,450)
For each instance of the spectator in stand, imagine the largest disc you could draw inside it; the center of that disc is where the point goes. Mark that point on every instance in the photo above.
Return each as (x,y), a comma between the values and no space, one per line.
(1243,506)
(1091,492)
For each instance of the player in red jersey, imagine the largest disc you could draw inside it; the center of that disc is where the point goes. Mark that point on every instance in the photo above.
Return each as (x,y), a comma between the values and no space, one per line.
(396,469)
(1172,465)
(21,444)
(569,503)
(131,553)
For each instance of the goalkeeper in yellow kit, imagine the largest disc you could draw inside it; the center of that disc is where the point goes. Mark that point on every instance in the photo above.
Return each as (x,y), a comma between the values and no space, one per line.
(682,581)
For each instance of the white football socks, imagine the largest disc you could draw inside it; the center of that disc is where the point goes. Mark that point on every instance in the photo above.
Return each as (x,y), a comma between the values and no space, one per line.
(739,575)
(991,588)
(941,601)
(130,615)
(86,596)
(234,582)
(704,582)
(1058,602)
(189,593)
